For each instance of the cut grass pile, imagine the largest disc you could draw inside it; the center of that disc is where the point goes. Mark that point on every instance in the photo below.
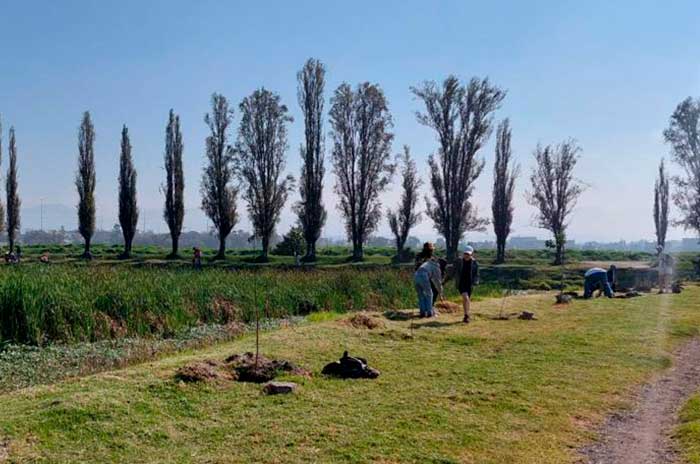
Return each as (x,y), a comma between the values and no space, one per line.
(489,392)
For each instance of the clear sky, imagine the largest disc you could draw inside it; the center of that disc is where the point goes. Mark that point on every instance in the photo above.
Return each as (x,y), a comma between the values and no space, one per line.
(606,73)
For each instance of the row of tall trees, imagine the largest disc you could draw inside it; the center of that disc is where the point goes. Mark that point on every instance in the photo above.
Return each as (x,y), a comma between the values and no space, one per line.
(361,135)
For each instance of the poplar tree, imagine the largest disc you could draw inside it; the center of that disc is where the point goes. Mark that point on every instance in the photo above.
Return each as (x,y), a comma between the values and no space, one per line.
(128,207)
(174,188)
(13,201)
(85,182)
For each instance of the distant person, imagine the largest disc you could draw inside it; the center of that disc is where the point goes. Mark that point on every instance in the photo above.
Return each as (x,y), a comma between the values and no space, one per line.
(197,258)
(44,258)
(466,275)
(427,276)
(596,278)
(612,277)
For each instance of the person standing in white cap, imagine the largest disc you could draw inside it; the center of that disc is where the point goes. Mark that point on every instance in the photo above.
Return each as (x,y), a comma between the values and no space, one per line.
(466,274)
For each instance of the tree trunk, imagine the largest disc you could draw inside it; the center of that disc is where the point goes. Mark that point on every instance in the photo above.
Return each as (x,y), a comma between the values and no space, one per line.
(222,249)
(127,249)
(451,250)
(357,251)
(175,240)
(500,252)
(310,256)
(559,253)
(86,253)
(265,248)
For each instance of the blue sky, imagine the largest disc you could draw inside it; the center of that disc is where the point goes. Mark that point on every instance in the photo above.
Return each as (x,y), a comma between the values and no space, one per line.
(606,73)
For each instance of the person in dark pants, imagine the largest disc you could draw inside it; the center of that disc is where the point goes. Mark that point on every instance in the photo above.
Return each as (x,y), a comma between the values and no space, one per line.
(595,279)
(466,274)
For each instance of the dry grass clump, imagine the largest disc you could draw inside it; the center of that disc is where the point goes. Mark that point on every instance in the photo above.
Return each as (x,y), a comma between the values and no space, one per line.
(448,307)
(365,321)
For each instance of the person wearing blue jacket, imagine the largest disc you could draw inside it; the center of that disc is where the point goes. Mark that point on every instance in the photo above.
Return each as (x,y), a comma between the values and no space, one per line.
(597,278)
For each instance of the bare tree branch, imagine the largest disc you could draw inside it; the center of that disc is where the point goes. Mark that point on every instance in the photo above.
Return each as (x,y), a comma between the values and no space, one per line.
(218,195)
(504,175)
(462,118)
(261,147)
(683,134)
(555,191)
(360,123)
(406,215)
(310,209)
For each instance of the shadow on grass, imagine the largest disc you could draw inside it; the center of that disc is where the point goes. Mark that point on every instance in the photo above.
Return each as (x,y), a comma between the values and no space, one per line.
(396,315)
(436,324)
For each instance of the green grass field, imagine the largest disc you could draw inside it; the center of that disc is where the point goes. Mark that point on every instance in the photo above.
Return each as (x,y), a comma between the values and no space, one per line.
(689,431)
(327,256)
(490,392)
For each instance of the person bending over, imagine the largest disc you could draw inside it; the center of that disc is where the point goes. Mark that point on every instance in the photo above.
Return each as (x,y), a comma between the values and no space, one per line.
(596,279)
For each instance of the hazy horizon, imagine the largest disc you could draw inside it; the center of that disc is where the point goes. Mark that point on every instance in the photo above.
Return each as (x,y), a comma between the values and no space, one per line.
(606,75)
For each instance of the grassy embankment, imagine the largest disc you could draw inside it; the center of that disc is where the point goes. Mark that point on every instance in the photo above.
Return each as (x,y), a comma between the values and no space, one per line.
(490,392)
(70,300)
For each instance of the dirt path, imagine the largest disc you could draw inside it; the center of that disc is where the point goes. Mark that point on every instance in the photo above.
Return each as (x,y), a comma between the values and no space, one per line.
(642,435)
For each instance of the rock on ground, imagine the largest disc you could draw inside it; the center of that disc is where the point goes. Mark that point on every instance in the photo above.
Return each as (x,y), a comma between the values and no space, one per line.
(279,388)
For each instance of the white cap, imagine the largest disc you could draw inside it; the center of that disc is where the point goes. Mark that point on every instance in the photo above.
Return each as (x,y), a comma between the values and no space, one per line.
(468,250)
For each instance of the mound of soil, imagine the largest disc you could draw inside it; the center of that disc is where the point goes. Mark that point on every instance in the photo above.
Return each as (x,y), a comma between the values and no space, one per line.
(204,371)
(365,321)
(247,369)
(448,307)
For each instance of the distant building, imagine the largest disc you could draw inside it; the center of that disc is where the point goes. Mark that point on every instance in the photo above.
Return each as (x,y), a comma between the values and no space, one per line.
(526,243)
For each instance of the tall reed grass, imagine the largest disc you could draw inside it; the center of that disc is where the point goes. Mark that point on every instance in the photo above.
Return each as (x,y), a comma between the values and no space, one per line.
(64,303)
